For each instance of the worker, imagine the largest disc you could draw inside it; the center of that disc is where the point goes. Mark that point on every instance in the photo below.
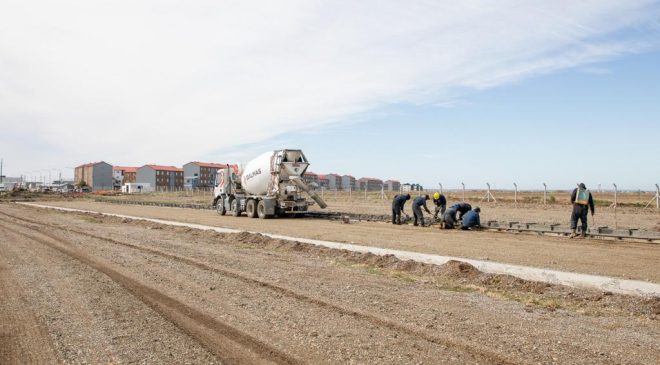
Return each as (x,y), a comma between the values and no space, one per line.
(471,219)
(449,218)
(440,203)
(462,208)
(418,204)
(397,207)
(582,201)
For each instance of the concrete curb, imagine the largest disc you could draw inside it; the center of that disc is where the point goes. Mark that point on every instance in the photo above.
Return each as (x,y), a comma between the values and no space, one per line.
(615,285)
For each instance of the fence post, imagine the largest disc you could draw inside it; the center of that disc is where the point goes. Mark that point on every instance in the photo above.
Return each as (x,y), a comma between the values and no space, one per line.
(463,184)
(616,223)
(545,194)
(440,187)
(515,193)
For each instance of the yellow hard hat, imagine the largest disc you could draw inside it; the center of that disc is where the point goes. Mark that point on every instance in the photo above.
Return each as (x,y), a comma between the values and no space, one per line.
(436,195)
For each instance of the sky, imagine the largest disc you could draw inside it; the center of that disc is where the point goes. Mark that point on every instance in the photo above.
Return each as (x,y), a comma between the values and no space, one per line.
(422,91)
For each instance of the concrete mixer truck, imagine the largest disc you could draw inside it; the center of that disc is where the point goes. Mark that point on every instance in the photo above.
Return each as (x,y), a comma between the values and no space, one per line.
(270,185)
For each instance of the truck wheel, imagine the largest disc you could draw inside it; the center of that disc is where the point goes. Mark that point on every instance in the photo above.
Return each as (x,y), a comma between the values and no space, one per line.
(220,207)
(251,208)
(261,210)
(234,208)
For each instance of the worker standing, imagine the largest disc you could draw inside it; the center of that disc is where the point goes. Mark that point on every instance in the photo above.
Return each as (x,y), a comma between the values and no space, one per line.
(418,204)
(471,219)
(582,201)
(462,208)
(397,207)
(440,203)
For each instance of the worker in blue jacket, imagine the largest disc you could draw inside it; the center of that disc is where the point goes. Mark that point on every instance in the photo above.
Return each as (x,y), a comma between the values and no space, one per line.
(471,219)
(462,208)
(397,207)
(440,203)
(418,204)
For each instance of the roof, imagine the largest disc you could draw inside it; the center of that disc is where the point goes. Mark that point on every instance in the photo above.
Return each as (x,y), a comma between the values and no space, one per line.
(392,181)
(323,177)
(309,173)
(90,164)
(164,168)
(209,164)
(370,178)
(124,168)
(351,176)
(333,174)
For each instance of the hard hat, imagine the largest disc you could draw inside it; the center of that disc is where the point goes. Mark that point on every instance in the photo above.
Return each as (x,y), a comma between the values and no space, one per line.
(436,195)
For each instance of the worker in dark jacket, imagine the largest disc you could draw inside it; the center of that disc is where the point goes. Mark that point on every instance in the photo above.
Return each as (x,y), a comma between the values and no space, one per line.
(418,204)
(582,201)
(397,207)
(462,208)
(440,203)
(471,219)
(449,218)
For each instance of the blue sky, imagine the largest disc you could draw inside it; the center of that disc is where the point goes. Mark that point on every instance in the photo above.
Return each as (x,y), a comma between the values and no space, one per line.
(597,123)
(475,91)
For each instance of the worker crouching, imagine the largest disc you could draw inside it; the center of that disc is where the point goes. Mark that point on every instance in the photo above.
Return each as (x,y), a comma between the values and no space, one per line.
(397,207)
(471,219)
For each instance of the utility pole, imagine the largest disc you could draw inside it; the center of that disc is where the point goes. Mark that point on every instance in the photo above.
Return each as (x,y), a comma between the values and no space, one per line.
(1,176)
(440,187)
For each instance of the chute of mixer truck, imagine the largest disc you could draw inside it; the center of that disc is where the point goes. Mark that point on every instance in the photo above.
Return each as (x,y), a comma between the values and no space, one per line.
(268,186)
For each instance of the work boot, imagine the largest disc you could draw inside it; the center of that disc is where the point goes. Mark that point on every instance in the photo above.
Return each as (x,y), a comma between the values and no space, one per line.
(583,235)
(573,234)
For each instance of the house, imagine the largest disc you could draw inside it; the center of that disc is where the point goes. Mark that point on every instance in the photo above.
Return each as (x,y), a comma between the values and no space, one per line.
(334,181)
(136,188)
(162,178)
(323,181)
(123,175)
(311,179)
(370,184)
(348,183)
(407,187)
(201,174)
(392,185)
(96,175)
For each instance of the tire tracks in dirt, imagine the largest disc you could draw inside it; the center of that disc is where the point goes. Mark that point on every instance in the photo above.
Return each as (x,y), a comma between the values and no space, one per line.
(20,329)
(466,346)
(229,344)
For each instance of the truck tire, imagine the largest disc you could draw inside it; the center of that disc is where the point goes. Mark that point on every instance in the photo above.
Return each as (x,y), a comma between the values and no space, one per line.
(234,208)
(261,210)
(251,208)
(220,207)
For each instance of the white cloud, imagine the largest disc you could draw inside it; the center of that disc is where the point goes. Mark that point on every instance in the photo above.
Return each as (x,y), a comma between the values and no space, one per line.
(167,81)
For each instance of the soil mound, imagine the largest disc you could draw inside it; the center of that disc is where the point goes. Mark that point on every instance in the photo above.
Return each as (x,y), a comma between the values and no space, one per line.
(459,270)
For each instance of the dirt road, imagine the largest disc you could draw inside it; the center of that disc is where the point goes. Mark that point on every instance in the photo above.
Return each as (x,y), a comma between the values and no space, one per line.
(88,289)
(619,259)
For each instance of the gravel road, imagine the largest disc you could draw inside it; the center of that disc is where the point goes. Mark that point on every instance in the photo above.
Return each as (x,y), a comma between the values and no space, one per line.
(83,288)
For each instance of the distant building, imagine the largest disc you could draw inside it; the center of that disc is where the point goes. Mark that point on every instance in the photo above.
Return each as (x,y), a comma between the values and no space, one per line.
(96,175)
(311,179)
(123,175)
(162,178)
(348,183)
(201,174)
(392,185)
(334,181)
(323,181)
(370,184)
(411,187)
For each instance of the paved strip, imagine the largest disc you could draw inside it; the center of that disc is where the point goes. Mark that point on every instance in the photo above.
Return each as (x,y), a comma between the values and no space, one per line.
(616,285)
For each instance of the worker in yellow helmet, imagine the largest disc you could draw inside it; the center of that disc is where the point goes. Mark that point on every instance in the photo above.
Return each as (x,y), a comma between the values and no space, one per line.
(440,203)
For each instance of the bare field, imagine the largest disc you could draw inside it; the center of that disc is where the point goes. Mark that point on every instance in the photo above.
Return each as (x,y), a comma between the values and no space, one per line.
(529,209)
(619,259)
(85,288)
